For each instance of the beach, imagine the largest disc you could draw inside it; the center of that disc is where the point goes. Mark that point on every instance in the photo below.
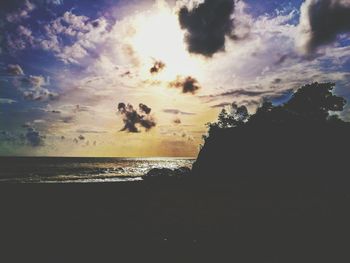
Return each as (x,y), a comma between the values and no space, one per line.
(175,220)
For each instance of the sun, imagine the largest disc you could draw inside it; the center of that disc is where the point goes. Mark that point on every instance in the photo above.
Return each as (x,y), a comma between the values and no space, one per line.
(158,37)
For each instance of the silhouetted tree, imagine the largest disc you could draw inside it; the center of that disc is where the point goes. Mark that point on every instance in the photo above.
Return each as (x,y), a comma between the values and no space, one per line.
(235,117)
(314,101)
(310,103)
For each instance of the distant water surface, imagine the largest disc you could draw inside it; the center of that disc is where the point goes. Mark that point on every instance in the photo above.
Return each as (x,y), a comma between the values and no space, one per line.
(82,170)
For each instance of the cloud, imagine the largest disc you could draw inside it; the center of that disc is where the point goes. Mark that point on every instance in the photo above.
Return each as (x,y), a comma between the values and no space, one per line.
(207,24)
(55,2)
(14,69)
(240,92)
(187,84)
(80,108)
(21,39)
(321,21)
(21,13)
(7,136)
(84,34)
(176,111)
(34,138)
(89,131)
(144,108)
(132,118)
(157,66)
(69,37)
(32,88)
(221,105)
(177,121)
(7,101)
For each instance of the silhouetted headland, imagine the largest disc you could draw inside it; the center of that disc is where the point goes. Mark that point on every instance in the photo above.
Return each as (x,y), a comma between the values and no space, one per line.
(298,139)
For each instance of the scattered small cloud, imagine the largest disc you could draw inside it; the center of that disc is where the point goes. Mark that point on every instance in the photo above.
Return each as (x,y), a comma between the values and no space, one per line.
(133,118)
(14,69)
(34,138)
(187,84)
(177,121)
(126,74)
(80,108)
(144,108)
(157,67)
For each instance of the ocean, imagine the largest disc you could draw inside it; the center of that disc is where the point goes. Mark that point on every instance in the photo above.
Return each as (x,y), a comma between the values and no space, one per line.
(82,169)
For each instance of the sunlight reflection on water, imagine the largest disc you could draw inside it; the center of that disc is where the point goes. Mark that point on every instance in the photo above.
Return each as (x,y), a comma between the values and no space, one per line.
(82,170)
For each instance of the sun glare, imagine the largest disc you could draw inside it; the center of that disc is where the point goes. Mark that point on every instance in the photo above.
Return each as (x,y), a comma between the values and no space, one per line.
(159,38)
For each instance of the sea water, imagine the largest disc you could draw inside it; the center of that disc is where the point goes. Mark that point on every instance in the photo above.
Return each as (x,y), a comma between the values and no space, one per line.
(82,169)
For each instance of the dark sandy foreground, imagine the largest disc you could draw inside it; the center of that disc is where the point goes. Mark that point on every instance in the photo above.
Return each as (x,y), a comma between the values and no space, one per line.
(175,221)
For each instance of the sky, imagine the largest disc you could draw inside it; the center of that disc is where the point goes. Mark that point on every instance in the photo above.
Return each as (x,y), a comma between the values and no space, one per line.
(142,78)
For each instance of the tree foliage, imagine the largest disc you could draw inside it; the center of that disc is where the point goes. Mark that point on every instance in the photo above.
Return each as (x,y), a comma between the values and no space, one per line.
(309,104)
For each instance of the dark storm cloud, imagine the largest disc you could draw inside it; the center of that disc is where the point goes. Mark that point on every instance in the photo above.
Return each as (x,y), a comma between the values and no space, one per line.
(326,20)
(207,24)
(157,67)
(176,111)
(187,85)
(133,118)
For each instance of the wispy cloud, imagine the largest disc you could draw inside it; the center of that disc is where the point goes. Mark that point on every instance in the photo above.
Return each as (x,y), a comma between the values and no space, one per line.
(7,101)
(176,111)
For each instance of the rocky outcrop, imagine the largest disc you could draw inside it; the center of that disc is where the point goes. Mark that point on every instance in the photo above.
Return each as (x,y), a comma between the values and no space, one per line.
(158,173)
